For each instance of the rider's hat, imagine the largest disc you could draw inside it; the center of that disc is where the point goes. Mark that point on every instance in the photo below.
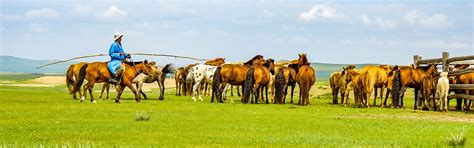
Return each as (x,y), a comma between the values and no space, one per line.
(117,35)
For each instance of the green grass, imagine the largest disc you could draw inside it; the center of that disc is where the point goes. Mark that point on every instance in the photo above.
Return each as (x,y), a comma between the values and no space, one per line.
(15,78)
(49,116)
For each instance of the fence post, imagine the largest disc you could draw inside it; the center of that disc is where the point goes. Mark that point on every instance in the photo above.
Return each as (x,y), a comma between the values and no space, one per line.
(445,61)
(416,58)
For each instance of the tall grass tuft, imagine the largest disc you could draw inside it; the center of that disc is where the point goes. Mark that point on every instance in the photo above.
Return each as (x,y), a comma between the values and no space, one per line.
(457,139)
(142,116)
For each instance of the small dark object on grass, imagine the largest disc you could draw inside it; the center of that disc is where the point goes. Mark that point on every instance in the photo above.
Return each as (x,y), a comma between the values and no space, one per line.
(142,116)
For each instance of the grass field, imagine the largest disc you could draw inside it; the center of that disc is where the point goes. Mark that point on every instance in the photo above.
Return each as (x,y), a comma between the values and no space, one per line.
(32,116)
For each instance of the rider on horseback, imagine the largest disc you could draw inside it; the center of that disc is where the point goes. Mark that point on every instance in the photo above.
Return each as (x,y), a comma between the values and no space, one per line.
(116,53)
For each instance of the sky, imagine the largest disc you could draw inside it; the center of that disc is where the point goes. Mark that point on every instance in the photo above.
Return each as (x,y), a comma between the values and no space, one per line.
(389,32)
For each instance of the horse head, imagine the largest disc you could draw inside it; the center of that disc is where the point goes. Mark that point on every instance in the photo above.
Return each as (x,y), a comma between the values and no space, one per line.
(270,64)
(302,60)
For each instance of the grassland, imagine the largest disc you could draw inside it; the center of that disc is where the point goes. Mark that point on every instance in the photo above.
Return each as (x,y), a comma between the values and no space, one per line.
(32,116)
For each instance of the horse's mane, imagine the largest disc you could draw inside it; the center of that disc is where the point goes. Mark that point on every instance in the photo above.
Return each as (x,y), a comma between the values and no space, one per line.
(249,62)
(133,63)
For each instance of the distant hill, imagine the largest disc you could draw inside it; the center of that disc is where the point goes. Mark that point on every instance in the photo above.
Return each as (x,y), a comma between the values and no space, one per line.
(15,64)
(22,65)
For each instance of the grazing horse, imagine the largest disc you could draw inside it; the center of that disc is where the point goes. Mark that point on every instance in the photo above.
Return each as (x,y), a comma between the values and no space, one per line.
(257,79)
(233,74)
(413,78)
(197,74)
(72,76)
(285,77)
(428,90)
(442,89)
(98,72)
(305,79)
(157,74)
(178,80)
(373,77)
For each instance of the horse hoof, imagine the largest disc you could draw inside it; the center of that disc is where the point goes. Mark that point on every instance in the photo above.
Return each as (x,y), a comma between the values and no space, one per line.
(93,101)
(117,101)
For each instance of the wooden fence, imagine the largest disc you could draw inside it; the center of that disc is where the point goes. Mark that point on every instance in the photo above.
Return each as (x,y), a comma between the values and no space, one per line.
(445,61)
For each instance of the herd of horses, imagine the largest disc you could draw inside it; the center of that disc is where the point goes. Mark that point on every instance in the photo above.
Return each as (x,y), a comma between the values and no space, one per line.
(425,80)
(259,76)
(255,77)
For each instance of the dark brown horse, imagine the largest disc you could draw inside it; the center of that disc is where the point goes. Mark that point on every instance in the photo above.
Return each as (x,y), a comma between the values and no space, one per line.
(429,92)
(257,79)
(285,77)
(232,74)
(98,72)
(413,78)
(305,79)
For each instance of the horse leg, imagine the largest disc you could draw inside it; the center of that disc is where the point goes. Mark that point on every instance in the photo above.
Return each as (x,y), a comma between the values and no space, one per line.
(91,87)
(232,90)
(381,96)
(386,96)
(219,93)
(292,92)
(162,89)
(119,93)
(416,99)
(266,94)
(195,87)
(137,94)
(84,89)
(402,95)
(375,96)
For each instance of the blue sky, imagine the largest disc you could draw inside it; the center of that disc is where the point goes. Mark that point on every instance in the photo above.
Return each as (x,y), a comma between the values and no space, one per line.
(328,31)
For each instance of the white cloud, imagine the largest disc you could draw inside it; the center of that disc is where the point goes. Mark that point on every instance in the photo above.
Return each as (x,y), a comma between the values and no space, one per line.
(11,18)
(37,28)
(320,11)
(81,9)
(384,24)
(42,13)
(113,11)
(437,20)
(365,19)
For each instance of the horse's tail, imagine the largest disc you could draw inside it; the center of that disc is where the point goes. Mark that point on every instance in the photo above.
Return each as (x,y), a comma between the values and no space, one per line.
(69,78)
(248,85)
(216,82)
(169,68)
(396,88)
(80,80)
(279,86)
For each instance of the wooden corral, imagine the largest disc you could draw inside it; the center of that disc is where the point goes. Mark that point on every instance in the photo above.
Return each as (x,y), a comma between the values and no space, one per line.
(445,61)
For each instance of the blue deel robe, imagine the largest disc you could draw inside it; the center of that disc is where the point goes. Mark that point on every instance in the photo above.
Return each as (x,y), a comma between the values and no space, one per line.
(115,57)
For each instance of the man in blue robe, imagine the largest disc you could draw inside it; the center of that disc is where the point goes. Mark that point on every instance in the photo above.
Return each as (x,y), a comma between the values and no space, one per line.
(116,53)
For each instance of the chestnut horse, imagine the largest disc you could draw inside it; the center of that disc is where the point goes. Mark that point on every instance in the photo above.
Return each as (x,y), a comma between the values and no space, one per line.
(338,83)
(72,76)
(354,83)
(285,77)
(373,77)
(305,79)
(257,79)
(179,80)
(98,72)
(413,78)
(232,74)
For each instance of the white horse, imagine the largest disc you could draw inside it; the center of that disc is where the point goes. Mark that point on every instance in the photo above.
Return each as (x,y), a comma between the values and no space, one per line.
(442,89)
(197,74)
